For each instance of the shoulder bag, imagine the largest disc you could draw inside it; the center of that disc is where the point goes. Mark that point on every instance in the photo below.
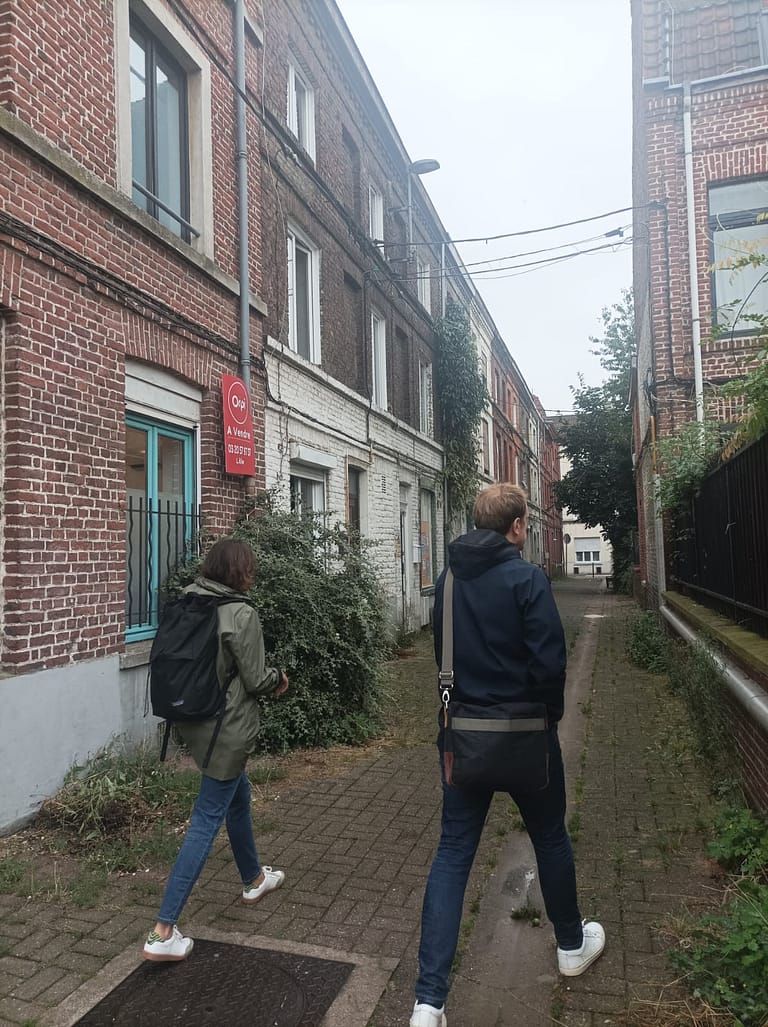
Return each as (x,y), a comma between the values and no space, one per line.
(503,747)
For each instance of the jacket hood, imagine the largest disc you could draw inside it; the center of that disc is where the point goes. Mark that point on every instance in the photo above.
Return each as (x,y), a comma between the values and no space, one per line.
(209,585)
(474,553)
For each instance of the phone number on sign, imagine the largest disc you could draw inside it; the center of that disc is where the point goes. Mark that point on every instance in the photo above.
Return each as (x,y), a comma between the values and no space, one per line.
(238,450)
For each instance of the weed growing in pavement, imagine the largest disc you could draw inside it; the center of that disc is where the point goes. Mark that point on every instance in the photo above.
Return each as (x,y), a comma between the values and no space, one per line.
(724,955)
(527,912)
(574,826)
(647,646)
(86,890)
(741,842)
(12,872)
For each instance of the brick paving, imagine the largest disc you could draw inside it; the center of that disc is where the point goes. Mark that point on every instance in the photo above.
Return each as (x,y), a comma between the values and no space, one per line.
(357,848)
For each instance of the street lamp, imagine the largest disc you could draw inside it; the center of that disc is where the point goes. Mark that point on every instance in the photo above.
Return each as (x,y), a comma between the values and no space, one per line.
(418,167)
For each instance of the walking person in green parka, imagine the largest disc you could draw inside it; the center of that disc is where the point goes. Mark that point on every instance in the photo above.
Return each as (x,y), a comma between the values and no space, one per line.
(225,792)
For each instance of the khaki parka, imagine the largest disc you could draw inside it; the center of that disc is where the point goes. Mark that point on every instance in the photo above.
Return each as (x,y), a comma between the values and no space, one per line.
(241,642)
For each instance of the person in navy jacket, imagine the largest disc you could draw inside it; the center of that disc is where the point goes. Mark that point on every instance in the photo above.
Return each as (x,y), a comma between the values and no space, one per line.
(508,646)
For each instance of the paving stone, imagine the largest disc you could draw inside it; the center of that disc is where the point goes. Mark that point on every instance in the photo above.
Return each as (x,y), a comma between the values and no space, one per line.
(37,983)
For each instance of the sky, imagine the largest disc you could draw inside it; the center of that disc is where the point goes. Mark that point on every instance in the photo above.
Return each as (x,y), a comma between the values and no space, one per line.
(526,104)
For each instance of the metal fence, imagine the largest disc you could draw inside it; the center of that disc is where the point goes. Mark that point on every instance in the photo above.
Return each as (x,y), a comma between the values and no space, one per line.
(160,536)
(720,544)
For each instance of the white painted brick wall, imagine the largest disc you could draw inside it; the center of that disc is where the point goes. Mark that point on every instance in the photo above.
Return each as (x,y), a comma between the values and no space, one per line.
(312,409)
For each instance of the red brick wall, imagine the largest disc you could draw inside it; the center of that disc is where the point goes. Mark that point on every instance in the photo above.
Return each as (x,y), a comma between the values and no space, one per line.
(82,288)
(352,150)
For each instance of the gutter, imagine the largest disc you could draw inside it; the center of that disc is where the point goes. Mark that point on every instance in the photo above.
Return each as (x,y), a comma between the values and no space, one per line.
(746,692)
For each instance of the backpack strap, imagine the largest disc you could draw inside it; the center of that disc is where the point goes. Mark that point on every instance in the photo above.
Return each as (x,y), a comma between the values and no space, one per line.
(220,715)
(166,736)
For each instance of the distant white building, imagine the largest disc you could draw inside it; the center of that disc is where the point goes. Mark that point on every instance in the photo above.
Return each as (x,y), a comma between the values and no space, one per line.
(585,550)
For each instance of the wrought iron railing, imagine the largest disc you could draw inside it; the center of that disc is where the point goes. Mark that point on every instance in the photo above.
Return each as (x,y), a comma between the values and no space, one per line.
(720,543)
(160,535)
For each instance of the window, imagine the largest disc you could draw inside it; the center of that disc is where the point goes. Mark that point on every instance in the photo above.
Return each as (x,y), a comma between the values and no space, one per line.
(737,230)
(586,551)
(375,214)
(379,346)
(486,447)
(159,125)
(427,539)
(355,478)
(423,282)
(307,491)
(301,109)
(162,521)
(303,297)
(426,419)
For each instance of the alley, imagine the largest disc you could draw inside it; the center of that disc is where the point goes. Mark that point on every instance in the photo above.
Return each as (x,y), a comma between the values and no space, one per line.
(357,846)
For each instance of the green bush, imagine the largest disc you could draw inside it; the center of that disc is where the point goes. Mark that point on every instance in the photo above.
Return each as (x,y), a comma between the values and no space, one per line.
(725,957)
(741,842)
(323,612)
(647,646)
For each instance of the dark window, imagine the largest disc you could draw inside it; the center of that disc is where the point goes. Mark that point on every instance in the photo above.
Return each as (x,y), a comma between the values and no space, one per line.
(354,475)
(159,132)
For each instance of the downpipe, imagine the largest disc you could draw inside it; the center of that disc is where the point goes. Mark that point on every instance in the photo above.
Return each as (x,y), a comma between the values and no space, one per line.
(746,691)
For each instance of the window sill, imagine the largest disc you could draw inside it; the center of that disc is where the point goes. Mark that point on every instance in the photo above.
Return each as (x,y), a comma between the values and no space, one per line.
(136,654)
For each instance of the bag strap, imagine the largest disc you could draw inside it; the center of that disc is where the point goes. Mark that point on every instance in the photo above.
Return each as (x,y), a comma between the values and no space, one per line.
(445,675)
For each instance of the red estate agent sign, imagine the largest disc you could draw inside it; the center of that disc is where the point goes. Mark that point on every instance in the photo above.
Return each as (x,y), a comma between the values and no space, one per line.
(240,456)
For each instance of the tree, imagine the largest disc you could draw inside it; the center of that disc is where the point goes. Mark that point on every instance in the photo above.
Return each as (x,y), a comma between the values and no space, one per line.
(600,487)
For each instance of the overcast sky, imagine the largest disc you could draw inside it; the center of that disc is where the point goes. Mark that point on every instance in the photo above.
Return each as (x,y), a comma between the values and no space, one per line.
(526,104)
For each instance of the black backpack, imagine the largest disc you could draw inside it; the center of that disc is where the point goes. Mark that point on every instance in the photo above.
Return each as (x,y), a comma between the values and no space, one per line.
(184,685)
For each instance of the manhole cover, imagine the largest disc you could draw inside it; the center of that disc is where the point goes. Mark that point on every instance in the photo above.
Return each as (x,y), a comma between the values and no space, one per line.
(224,984)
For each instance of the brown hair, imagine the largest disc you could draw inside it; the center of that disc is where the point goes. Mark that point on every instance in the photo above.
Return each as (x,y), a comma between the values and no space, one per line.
(231,563)
(497,507)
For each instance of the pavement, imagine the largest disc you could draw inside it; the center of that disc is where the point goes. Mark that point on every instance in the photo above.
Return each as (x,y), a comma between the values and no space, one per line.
(357,847)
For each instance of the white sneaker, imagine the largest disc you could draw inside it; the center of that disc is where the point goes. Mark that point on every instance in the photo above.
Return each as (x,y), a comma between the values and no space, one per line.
(572,962)
(172,950)
(272,879)
(428,1016)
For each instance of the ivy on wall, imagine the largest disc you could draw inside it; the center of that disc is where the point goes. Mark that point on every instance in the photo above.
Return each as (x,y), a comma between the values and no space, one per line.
(462,397)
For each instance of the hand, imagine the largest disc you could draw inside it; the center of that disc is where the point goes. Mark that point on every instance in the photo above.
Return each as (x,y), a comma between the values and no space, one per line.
(283,686)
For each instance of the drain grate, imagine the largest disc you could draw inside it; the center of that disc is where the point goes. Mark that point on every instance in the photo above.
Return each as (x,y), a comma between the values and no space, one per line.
(224,984)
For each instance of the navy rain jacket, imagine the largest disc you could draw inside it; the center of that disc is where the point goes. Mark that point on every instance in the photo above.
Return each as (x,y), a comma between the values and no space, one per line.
(508,641)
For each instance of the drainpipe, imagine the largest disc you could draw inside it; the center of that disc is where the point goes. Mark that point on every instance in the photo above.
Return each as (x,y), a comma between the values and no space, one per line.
(242,196)
(693,272)
(743,689)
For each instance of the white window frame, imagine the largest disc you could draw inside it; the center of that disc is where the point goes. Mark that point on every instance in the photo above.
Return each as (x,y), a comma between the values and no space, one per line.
(426,400)
(317,481)
(424,283)
(297,239)
(375,214)
(736,230)
(301,108)
(379,359)
(164,26)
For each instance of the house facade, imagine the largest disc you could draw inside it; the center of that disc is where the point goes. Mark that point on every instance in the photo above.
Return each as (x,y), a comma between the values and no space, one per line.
(700,191)
(351,429)
(119,317)
(190,200)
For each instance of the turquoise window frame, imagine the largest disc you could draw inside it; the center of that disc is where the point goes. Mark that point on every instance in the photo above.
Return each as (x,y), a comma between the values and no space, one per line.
(155,430)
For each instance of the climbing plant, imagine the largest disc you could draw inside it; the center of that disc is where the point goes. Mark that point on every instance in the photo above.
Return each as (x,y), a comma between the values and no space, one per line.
(462,396)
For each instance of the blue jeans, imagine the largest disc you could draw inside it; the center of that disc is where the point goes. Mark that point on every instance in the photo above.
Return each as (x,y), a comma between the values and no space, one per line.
(464,813)
(216,802)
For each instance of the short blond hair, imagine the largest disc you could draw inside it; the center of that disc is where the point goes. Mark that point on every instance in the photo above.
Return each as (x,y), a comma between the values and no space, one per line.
(497,507)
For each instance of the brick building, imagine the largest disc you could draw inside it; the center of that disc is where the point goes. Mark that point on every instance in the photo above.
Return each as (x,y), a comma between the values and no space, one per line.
(130,284)
(700,190)
(700,160)
(351,430)
(119,313)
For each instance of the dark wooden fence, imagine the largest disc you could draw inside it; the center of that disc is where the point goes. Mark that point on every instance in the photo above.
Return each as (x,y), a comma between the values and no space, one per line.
(720,544)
